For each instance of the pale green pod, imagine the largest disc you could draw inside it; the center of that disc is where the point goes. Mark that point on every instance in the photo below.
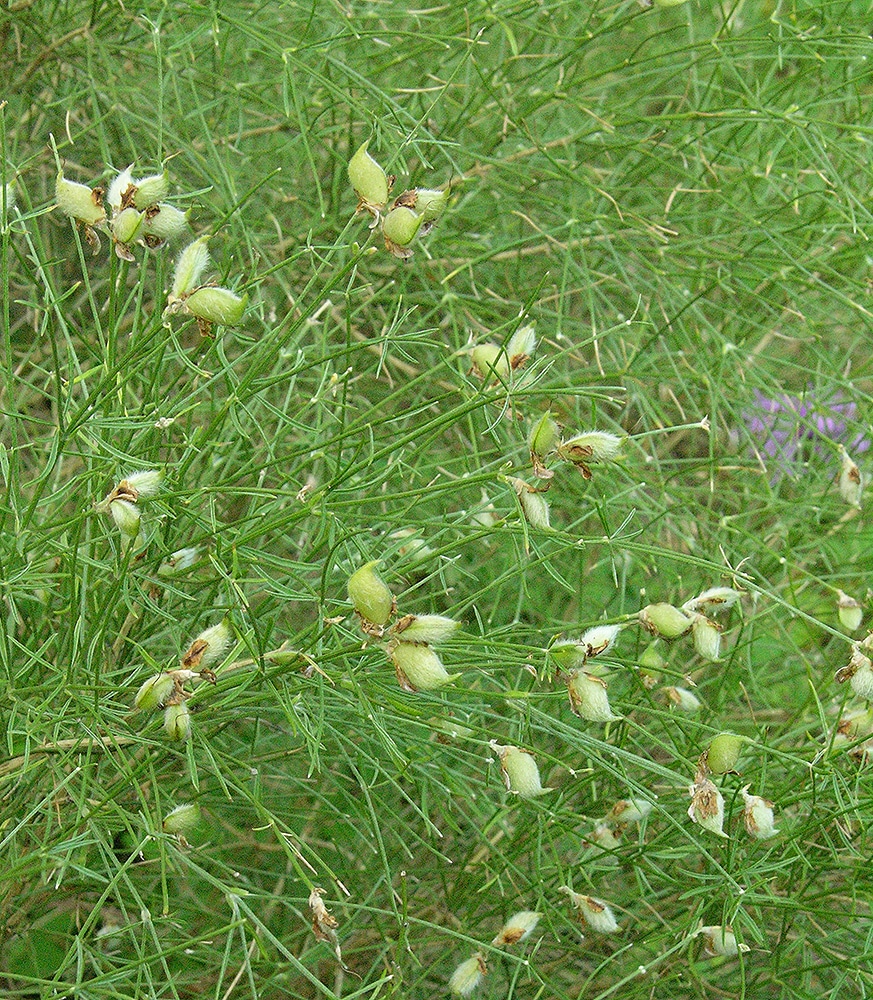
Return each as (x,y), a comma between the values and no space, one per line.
(717,940)
(665,621)
(758,816)
(724,752)
(518,928)
(9,195)
(629,811)
(712,600)
(126,224)
(182,819)
(120,189)
(588,697)
(209,647)
(520,772)
(78,201)
(430,204)
(126,517)
(370,595)
(489,360)
(707,807)
(177,721)
(164,223)
(851,483)
(154,692)
(850,612)
(543,436)
(521,346)
(418,668)
(217,305)
(707,637)
(178,562)
(144,484)
(432,629)
(594,913)
(368,179)
(569,653)
(192,262)
(683,699)
(400,226)
(151,190)
(468,975)
(592,446)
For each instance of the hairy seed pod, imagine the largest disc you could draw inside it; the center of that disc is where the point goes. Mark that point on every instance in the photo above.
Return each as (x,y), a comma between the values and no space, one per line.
(665,621)
(191,264)
(370,595)
(79,202)
(418,668)
(154,692)
(519,927)
(369,180)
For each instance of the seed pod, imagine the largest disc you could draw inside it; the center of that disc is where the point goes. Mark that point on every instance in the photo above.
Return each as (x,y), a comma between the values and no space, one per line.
(163,223)
(600,639)
(519,927)
(126,224)
(9,194)
(179,561)
(126,517)
(370,595)
(588,697)
(430,204)
(182,819)
(431,629)
(468,975)
(862,680)
(209,647)
(541,441)
(682,698)
(119,194)
(850,612)
(758,815)
(520,772)
(724,753)
(521,346)
(154,692)
(851,484)
(629,811)
(665,621)
(192,262)
(712,600)
(418,668)
(142,485)
(592,446)
(150,190)
(569,654)
(707,806)
(217,305)
(369,180)
(595,914)
(651,659)
(79,202)
(399,227)
(607,838)
(489,360)
(719,940)
(533,504)
(707,637)
(177,721)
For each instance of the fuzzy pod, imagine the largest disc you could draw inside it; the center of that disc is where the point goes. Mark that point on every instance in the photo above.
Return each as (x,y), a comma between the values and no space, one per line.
(120,192)
(150,190)
(209,647)
(533,504)
(182,819)
(724,752)
(190,265)
(400,227)
(468,975)
(600,639)
(707,807)
(861,680)
(519,927)
(665,621)
(521,346)
(569,654)
(79,202)
(217,305)
(143,484)
(9,195)
(592,446)
(707,637)
(629,811)
(432,629)
(154,692)
(418,668)
(682,698)
(369,180)
(163,223)
(850,612)
(758,816)
(429,203)
(520,772)
(594,913)
(721,941)
(489,360)
(177,721)
(126,224)
(178,562)
(712,600)
(126,516)
(588,697)
(851,483)
(370,595)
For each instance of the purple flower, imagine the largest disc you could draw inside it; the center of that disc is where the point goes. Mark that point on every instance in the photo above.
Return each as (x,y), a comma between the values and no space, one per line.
(788,429)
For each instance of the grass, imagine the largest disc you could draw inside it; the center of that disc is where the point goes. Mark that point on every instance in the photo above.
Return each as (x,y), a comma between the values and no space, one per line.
(678,200)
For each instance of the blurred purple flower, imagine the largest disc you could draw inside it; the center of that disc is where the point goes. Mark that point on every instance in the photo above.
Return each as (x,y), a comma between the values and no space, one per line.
(789,428)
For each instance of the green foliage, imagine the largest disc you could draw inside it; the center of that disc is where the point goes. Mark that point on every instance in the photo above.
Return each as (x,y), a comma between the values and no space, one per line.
(677,202)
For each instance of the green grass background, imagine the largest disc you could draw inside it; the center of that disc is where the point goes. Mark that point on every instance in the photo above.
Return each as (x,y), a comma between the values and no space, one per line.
(679,199)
